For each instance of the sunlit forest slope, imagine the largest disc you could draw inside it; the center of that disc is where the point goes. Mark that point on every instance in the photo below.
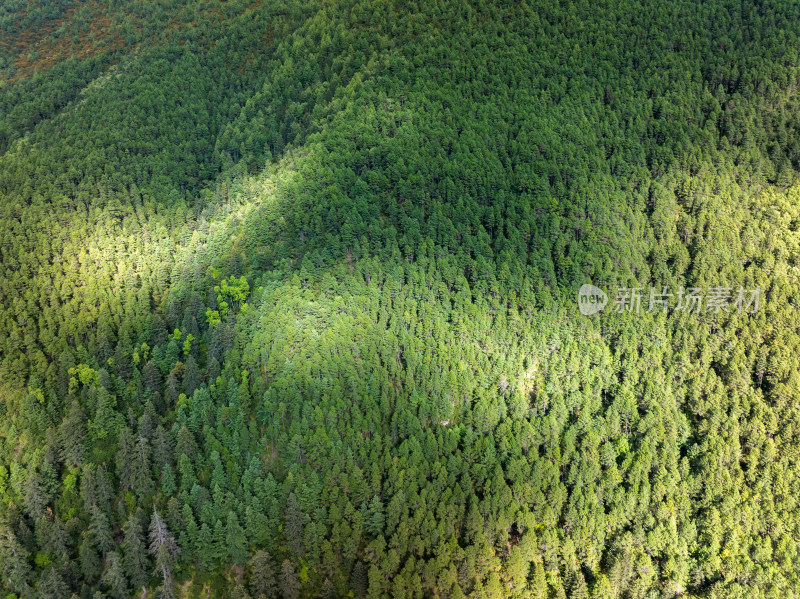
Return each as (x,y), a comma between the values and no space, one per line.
(289,299)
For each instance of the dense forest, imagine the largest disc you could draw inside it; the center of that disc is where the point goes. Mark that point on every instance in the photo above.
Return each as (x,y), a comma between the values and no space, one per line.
(289,299)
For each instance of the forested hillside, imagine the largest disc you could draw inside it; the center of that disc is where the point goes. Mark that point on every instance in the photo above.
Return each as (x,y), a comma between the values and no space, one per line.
(289,299)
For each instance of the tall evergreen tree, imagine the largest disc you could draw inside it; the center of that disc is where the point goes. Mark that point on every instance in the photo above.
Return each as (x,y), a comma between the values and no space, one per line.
(114,577)
(164,551)
(236,541)
(72,434)
(294,526)
(134,553)
(290,585)
(263,575)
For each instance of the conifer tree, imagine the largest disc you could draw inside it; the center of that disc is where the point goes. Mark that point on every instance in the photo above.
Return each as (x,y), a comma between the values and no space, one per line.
(164,551)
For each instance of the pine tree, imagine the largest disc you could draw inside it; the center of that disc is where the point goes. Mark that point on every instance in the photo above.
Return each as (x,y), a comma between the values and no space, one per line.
(103,491)
(164,551)
(375,517)
(125,449)
(114,577)
(263,575)
(72,434)
(538,582)
(134,552)
(171,389)
(579,588)
(186,444)
(358,580)
(51,585)
(327,591)
(167,481)
(236,541)
(106,420)
(88,485)
(191,376)
(151,377)
(238,592)
(100,530)
(89,560)
(13,561)
(122,362)
(141,477)
(295,524)
(601,589)
(35,496)
(290,586)
(163,451)
(219,549)
(205,548)
(188,537)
